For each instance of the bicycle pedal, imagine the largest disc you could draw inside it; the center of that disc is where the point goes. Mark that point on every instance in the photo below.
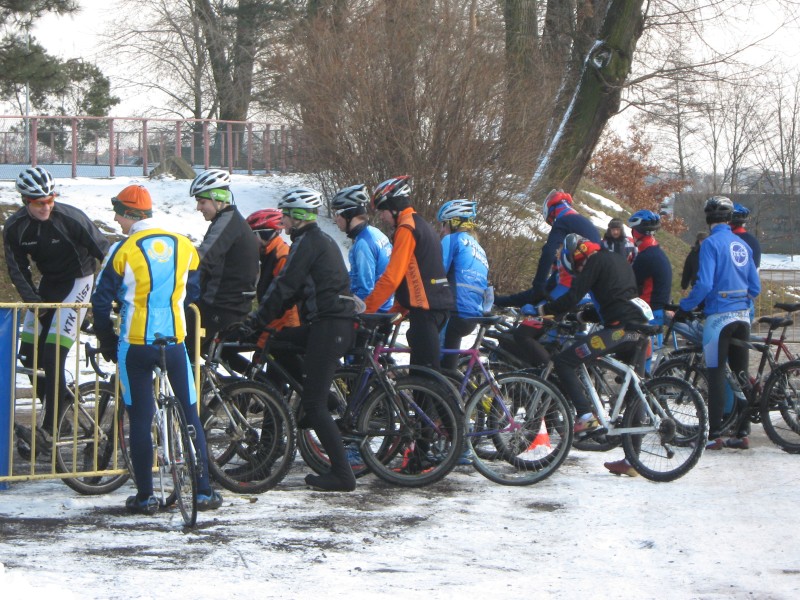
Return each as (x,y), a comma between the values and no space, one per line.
(595,433)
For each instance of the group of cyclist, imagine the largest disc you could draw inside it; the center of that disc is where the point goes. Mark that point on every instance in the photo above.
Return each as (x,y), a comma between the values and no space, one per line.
(306,293)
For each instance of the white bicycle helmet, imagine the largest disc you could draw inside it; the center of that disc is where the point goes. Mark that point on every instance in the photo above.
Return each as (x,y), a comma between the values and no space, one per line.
(457,209)
(213,179)
(35,182)
(355,196)
(303,198)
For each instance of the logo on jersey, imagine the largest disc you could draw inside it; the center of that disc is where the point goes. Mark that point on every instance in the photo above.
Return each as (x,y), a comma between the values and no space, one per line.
(739,253)
(597,343)
(160,251)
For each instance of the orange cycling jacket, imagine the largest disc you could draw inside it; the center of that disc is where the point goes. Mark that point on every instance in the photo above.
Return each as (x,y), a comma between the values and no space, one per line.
(415,273)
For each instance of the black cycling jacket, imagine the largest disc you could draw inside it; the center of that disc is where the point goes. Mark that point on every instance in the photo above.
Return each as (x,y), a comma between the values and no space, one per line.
(229,263)
(63,248)
(314,277)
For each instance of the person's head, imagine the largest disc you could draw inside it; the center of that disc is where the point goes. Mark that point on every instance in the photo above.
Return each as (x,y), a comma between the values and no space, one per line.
(390,197)
(132,204)
(718,209)
(266,223)
(644,223)
(212,191)
(615,229)
(299,207)
(350,206)
(457,215)
(37,188)
(740,215)
(556,202)
(701,235)
(577,249)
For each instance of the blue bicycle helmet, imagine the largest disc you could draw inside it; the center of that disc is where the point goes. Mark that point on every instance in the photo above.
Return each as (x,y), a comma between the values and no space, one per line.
(740,214)
(644,221)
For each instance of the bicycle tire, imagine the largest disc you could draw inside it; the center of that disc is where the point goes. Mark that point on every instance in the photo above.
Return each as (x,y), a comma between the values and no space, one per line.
(421,446)
(80,448)
(308,444)
(251,440)
(181,459)
(520,434)
(674,447)
(780,407)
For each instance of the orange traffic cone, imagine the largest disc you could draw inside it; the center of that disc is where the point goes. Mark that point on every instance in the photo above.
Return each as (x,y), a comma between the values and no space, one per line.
(542,438)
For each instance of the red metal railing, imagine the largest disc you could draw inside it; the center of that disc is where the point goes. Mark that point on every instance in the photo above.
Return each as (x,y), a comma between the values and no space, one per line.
(120,143)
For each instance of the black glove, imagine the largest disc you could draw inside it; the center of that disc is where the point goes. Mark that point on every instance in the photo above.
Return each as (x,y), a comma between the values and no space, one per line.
(682,315)
(108,341)
(589,314)
(253,323)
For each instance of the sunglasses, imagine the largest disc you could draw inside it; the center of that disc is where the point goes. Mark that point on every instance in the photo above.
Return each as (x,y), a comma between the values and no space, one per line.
(48,201)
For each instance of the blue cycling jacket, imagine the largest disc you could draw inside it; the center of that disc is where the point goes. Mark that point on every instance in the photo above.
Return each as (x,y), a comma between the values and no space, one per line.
(467,271)
(368,259)
(727,279)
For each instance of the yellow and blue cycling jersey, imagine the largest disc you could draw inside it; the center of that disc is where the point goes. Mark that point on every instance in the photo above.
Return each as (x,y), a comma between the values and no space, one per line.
(150,274)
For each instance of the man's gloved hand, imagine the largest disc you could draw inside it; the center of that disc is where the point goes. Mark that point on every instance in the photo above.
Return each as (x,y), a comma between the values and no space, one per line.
(109,342)
(252,324)
(588,314)
(682,315)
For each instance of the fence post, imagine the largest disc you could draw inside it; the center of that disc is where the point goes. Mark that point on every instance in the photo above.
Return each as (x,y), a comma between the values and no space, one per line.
(74,148)
(284,144)
(178,153)
(145,158)
(206,148)
(34,144)
(267,149)
(112,149)
(249,148)
(229,138)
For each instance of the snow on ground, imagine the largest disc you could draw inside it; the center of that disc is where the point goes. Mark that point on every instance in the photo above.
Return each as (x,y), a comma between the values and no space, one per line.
(725,530)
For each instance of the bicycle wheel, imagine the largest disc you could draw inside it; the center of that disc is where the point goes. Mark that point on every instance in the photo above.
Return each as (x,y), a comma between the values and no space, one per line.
(520,431)
(677,435)
(250,436)
(89,442)
(314,455)
(780,407)
(413,437)
(182,462)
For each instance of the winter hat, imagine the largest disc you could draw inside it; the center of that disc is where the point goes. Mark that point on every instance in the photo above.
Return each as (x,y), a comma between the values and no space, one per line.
(615,224)
(133,203)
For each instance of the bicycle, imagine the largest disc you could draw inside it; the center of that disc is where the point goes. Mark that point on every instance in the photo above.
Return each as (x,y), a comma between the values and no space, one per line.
(250,431)
(518,426)
(662,422)
(405,419)
(172,444)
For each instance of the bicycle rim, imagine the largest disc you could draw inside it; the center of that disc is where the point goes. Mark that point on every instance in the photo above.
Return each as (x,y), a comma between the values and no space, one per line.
(780,407)
(413,438)
(251,440)
(181,460)
(88,441)
(679,432)
(519,433)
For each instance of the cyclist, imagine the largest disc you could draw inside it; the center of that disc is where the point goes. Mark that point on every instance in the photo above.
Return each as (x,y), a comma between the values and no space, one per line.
(65,246)
(610,280)
(651,267)
(563,219)
(739,218)
(616,240)
(692,262)
(415,273)
(149,274)
(728,282)
(229,259)
(314,277)
(371,249)
(467,271)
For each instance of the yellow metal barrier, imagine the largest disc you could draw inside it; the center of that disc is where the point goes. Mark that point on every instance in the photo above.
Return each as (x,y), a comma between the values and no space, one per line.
(85,446)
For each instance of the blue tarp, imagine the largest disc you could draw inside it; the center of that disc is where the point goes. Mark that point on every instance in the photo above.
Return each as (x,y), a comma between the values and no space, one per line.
(7,346)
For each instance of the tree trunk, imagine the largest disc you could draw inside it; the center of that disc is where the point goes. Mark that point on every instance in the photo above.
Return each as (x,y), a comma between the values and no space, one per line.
(595,99)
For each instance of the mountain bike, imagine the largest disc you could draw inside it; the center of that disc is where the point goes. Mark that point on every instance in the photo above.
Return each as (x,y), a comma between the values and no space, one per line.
(250,431)
(662,421)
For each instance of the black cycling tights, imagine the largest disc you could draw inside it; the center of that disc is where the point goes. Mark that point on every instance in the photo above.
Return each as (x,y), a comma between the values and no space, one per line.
(737,358)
